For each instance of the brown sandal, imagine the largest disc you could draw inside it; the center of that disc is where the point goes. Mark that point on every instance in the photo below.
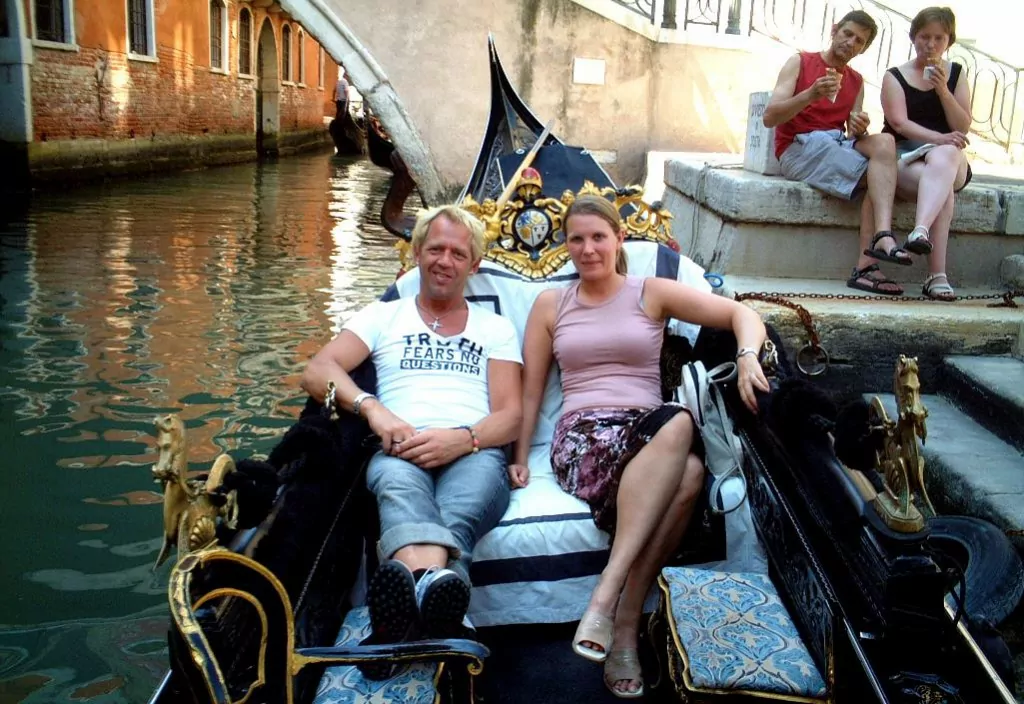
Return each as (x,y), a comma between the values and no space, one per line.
(877,279)
(890,256)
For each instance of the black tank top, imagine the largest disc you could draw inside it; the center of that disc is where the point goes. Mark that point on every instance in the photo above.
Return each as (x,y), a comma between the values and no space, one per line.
(924,106)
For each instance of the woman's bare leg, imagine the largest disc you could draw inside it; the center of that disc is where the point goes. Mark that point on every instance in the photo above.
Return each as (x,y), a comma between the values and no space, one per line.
(652,558)
(935,183)
(648,486)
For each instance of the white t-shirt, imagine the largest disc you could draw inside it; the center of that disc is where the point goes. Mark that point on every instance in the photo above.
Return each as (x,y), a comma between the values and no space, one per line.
(426,379)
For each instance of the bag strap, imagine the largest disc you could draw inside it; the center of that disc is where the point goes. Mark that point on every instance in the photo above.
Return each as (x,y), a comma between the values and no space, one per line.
(722,374)
(701,393)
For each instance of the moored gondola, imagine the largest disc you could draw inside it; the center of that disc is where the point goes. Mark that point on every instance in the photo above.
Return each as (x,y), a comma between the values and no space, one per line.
(270,616)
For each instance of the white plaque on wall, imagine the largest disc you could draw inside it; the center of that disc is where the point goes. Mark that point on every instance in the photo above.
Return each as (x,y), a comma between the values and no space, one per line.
(589,71)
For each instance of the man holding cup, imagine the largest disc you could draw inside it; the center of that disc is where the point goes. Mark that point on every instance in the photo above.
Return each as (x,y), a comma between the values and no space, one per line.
(821,139)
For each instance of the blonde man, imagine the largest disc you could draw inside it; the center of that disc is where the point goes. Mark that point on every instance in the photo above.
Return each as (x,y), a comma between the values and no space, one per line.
(448,398)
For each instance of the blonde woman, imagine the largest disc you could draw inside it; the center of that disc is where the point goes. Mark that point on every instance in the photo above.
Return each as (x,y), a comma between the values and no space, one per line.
(616,445)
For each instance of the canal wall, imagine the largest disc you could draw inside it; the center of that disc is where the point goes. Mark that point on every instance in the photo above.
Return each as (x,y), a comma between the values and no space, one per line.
(82,159)
(112,89)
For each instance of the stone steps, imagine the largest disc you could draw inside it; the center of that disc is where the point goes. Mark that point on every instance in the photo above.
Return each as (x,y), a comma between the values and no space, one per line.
(743,223)
(968,469)
(991,390)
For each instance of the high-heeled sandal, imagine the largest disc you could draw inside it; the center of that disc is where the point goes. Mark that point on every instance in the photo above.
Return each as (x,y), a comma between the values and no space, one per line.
(624,665)
(597,629)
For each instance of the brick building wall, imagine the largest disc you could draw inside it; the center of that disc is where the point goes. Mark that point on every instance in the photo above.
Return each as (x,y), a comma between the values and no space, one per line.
(93,88)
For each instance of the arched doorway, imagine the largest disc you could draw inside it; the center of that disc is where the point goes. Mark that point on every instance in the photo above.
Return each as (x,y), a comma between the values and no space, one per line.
(268,92)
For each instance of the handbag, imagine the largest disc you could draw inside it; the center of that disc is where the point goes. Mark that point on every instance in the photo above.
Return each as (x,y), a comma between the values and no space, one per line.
(700,392)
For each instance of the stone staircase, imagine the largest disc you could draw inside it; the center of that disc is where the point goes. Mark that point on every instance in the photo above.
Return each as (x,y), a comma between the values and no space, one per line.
(746,224)
(974,452)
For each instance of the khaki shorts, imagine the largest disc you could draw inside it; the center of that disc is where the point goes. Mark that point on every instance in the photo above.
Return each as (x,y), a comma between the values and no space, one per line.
(825,160)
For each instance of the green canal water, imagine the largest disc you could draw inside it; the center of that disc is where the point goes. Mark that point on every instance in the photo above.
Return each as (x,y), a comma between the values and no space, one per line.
(201,294)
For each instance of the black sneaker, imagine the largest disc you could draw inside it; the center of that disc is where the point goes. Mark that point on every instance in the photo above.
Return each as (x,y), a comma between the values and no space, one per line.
(394,617)
(443,598)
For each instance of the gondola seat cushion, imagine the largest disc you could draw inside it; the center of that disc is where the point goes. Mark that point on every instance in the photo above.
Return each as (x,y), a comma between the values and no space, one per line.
(729,633)
(415,684)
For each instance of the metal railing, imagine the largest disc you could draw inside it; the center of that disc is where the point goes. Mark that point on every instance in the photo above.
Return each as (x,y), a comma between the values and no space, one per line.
(997,103)
(644,8)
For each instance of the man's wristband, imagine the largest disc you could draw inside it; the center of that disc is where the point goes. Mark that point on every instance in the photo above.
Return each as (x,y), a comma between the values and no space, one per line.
(358,401)
(472,434)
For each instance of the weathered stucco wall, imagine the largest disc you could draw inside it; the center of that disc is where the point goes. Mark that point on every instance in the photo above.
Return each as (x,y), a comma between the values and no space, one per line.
(679,97)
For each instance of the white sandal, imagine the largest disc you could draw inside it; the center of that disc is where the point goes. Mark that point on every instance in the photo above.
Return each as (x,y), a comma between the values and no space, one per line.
(594,628)
(938,291)
(918,241)
(624,665)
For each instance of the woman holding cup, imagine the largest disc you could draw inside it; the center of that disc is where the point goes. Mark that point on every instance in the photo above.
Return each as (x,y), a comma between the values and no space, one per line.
(927,106)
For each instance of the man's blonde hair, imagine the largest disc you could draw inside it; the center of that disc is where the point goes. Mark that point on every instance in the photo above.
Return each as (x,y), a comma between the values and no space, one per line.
(454,214)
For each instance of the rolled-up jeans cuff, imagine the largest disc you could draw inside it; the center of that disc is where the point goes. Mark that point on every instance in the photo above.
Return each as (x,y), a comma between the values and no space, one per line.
(394,539)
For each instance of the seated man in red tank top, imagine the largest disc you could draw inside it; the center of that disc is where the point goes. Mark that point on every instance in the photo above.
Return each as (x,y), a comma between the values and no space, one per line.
(821,139)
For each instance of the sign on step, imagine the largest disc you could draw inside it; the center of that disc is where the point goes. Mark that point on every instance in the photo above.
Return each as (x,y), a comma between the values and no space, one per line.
(759,148)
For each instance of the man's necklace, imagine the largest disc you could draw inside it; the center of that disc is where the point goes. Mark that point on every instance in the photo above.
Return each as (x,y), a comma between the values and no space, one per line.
(437,324)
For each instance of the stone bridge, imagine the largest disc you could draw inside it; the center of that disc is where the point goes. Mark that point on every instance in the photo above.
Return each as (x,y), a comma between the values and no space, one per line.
(422,68)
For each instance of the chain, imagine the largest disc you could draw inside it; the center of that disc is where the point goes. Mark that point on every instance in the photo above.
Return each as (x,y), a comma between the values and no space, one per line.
(813,359)
(781,300)
(1006,300)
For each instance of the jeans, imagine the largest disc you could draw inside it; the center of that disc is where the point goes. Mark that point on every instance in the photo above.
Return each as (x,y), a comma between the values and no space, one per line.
(452,506)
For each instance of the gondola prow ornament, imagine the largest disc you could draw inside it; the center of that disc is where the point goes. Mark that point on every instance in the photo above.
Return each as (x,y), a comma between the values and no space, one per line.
(899,459)
(191,506)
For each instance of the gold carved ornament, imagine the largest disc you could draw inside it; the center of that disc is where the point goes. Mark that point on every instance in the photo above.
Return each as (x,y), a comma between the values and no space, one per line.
(899,459)
(192,507)
(524,232)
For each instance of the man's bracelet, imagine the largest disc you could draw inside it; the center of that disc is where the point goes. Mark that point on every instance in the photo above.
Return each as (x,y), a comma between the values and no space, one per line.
(358,401)
(472,434)
(746,350)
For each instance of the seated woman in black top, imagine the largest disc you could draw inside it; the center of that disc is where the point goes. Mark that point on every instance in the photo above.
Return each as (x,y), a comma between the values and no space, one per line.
(927,101)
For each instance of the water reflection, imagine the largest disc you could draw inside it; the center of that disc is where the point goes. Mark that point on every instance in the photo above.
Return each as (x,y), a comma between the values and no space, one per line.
(201,294)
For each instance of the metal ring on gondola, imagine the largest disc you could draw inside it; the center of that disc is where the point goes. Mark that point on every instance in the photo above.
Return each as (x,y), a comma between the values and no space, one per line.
(814,365)
(713,278)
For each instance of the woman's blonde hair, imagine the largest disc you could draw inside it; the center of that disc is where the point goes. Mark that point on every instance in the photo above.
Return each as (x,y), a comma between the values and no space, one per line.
(606,210)
(454,214)
(943,15)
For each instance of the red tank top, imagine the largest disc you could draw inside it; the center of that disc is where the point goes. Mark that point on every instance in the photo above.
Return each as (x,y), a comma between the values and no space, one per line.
(822,114)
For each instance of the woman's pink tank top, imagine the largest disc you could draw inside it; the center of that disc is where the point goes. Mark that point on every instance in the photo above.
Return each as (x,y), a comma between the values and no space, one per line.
(609,353)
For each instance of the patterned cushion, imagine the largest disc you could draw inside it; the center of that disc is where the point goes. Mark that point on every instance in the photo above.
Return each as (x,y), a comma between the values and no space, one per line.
(736,635)
(344,683)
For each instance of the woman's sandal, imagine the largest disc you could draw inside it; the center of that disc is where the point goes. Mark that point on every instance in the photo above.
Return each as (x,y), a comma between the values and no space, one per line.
(597,629)
(624,665)
(872,274)
(889,256)
(938,291)
(918,242)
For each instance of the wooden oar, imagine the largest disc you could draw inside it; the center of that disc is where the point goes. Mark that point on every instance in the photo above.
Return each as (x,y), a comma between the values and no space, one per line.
(523,165)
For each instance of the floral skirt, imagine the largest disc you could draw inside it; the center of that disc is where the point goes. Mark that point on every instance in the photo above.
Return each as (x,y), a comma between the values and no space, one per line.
(591,448)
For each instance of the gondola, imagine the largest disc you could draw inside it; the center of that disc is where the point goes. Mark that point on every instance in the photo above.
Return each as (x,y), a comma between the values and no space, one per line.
(272,554)
(348,135)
